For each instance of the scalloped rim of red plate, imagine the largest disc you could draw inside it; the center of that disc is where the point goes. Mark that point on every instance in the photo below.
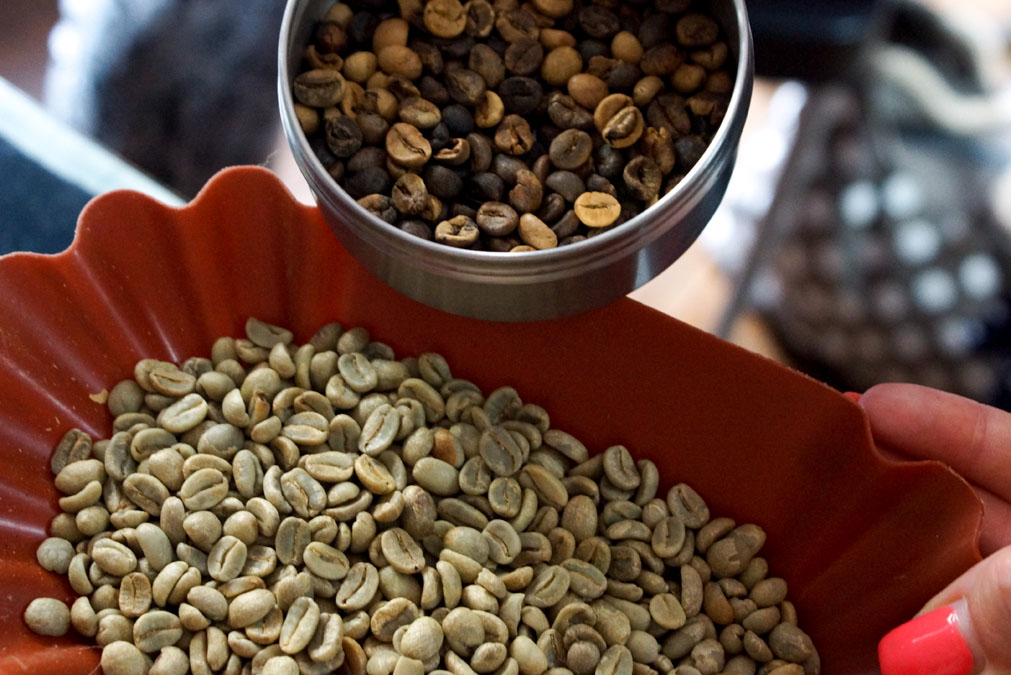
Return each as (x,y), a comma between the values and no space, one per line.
(825,478)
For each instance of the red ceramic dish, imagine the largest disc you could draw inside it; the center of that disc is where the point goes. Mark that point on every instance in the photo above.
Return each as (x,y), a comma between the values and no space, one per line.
(862,542)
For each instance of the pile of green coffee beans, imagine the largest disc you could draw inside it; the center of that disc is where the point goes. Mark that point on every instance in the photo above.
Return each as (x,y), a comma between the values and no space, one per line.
(281,509)
(502,126)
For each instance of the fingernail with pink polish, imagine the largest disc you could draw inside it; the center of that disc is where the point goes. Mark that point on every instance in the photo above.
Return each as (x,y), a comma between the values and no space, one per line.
(931,644)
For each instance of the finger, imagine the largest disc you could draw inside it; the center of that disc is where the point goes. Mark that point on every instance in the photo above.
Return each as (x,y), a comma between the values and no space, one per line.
(995,530)
(968,618)
(972,438)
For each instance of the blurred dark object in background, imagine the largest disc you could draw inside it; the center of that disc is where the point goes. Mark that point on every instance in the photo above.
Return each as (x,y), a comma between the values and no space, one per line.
(179,88)
(885,255)
(810,40)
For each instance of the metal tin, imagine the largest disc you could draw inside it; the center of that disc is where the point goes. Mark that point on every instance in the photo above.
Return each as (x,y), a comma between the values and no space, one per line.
(540,284)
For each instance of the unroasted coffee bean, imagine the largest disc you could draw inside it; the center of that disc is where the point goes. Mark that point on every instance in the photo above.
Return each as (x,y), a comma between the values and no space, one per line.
(47,616)
(571,149)
(587,90)
(597,209)
(399,60)
(319,88)
(459,232)
(444,18)
(534,232)
(419,112)
(624,127)
(406,145)
(480,531)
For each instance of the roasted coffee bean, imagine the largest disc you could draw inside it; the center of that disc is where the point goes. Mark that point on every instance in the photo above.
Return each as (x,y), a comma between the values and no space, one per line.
(417,228)
(458,120)
(380,206)
(410,194)
(566,226)
(552,208)
(696,30)
(442,182)
(688,150)
(465,86)
(524,56)
(567,184)
(329,37)
(643,178)
(514,135)
(373,128)
(488,187)
(598,21)
(623,77)
(528,192)
(480,18)
(567,114)
(343,136)
(571,149)
(481,152)
(372,180)
(486,62)
(506,167)
(669,111)
(365,158)
(439,138)
(497,219)
(514,24)
(520,95)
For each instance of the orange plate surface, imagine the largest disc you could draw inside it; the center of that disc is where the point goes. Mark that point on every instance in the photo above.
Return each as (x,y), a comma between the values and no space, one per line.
(861,541)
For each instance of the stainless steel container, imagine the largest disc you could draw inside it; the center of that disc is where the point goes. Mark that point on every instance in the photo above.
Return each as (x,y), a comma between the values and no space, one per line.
(540,284)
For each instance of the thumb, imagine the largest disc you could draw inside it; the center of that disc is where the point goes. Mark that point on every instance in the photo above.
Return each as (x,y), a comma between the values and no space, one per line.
(964,629)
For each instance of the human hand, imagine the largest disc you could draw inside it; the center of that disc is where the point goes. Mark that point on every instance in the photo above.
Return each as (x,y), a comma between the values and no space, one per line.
(966,628)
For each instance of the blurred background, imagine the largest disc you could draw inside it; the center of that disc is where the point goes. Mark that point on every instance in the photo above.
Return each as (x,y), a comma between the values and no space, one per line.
(864,236)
